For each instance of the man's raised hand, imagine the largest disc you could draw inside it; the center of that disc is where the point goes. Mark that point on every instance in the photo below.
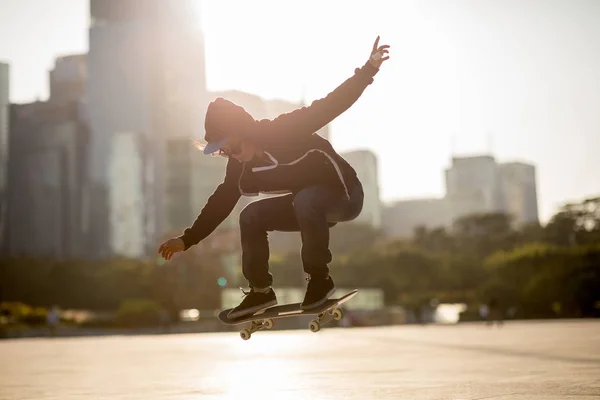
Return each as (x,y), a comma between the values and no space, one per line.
(378,55)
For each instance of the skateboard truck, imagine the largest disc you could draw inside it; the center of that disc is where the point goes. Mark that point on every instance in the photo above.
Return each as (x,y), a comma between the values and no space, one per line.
(257,326)
(265,319)
(324,318)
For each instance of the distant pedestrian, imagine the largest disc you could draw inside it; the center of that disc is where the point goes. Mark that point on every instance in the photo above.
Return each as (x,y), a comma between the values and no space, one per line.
(483,312)
(53,319)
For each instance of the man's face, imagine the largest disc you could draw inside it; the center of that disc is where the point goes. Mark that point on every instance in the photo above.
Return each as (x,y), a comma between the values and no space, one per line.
(241,150)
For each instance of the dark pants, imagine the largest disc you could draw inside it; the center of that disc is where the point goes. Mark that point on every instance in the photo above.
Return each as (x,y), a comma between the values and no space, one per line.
(312,211)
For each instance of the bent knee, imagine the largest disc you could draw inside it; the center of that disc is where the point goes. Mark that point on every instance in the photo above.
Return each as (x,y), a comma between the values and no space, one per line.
(250,214)
(306,201)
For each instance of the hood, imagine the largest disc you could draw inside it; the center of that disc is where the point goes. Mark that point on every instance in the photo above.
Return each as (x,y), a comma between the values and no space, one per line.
(224,118)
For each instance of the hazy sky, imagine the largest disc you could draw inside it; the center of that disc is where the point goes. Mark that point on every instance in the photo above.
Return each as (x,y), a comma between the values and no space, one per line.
(525,73)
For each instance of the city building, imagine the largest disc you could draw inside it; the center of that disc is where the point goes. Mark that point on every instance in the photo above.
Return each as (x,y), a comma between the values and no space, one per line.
(473,186)
(146,73)
(47,174)
(178,188)
(402,217)
(68,79)
(481,185)
(520,192)
(191,177)
(4,150)
(130,209)
(365,164)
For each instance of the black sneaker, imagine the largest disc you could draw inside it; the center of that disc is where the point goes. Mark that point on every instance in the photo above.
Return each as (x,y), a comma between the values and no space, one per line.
(317,292)
(252,303)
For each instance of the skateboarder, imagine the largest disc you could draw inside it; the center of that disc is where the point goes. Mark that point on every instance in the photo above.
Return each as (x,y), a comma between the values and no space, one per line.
(283,155)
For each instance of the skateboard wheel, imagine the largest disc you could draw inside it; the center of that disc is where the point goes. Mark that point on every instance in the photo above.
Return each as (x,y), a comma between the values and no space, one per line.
(245,334)
(338,314)
(314,325)
(269,323)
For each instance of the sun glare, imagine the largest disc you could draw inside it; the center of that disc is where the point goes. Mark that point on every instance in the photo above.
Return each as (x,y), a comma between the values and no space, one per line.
(265,370)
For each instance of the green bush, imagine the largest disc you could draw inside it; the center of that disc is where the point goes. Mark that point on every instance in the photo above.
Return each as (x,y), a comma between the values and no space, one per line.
(17,312)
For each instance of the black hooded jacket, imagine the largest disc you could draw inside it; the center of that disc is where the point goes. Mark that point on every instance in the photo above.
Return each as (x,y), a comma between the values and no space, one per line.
(296,157)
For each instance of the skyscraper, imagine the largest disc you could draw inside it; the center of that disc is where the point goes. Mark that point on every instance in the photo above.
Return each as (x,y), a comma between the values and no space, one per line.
(68,79)
(520,192)
(129,183)
(191,177)
(481,185)
(46,178)
(473,186)
(146,75)
(365,164)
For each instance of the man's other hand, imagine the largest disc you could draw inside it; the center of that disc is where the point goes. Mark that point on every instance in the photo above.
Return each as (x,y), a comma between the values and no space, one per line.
(170,247)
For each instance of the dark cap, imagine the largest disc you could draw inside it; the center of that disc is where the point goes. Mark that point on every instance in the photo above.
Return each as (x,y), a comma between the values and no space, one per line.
(224,118)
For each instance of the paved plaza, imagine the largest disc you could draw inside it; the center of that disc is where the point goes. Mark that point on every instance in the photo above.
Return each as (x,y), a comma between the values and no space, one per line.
(555,360)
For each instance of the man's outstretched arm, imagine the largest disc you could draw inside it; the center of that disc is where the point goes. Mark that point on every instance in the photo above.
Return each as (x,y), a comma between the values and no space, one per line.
(308,120)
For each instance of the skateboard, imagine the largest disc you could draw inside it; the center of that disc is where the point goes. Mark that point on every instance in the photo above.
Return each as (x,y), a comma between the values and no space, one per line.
(264,319)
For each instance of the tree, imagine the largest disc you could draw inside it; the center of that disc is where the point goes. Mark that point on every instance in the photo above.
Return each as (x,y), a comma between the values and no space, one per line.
(541,275)
(482,234)
(435,240)
(575,223)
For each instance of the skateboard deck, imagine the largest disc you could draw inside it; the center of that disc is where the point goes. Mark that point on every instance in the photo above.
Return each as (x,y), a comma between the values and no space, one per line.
(264,319)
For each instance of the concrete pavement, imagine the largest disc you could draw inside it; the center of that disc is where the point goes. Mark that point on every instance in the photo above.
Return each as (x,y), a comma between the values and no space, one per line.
(523,360)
